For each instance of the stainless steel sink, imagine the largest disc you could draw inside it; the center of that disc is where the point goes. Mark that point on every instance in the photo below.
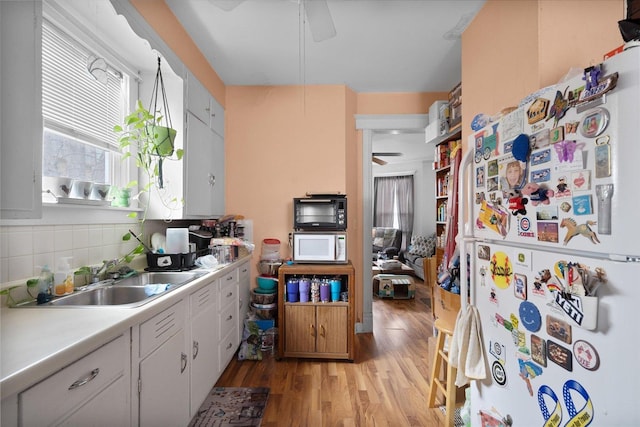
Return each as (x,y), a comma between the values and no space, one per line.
(132,291)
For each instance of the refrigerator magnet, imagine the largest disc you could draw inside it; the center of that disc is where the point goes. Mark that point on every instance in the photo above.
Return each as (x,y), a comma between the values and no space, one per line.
(586,355)
(581,180)
(559,329)
(498,373)
(530,316)
(594,122)
(539,350)
(540,139)
(537,110)
(520,289)
(582,205)
(501,269)
(559,355)
(603,160)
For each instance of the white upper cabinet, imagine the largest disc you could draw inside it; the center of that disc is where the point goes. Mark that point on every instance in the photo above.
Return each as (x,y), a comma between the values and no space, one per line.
(21,124)
(204,106)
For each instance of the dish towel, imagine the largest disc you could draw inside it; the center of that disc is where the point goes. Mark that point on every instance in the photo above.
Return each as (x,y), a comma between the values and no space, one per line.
(466,351)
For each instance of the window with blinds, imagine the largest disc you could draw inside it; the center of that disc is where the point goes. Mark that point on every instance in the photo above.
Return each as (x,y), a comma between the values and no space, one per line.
(80,109)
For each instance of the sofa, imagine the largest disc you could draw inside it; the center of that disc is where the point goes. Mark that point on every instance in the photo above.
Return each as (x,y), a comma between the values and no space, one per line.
(386,240)
(421,247)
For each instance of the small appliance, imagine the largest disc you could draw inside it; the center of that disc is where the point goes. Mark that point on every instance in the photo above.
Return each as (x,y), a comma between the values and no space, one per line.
(320,212)
(315,247)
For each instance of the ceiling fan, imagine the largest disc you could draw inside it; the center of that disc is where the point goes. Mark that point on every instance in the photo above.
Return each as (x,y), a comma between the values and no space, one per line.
(317,12)
(375,157)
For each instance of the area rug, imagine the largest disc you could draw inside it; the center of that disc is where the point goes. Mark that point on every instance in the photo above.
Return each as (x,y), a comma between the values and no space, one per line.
(232,406)
(457,419)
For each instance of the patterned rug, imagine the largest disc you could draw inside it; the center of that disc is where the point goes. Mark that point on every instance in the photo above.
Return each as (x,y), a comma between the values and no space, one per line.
(232,406)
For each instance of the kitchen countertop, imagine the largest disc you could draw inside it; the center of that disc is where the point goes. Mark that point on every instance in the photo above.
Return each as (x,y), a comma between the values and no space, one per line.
(36,342)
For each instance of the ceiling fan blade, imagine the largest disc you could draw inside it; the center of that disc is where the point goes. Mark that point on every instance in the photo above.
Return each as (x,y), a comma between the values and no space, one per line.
(227,5)
(390,154)
(320,21)
(378,161)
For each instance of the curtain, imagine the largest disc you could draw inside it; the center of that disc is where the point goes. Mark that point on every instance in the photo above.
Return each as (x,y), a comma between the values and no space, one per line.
(393,199)
(404,199)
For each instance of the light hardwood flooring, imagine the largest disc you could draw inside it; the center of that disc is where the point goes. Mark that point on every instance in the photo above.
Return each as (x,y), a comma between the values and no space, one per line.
(387,384)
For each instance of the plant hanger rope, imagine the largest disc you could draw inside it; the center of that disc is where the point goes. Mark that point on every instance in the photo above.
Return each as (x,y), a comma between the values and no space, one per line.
(164,137)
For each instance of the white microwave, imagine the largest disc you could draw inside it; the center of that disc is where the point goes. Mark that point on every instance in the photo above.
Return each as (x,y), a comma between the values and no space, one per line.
(328,248)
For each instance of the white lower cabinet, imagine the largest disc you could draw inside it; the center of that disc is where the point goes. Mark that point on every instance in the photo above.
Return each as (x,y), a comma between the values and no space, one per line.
(228,318)
(163,379)
(244,295)
(93,391)
(205,367)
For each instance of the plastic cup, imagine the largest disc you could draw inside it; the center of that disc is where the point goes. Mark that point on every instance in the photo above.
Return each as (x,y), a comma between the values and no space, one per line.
(325,291)
(305,286)
(335,289)
(292,290)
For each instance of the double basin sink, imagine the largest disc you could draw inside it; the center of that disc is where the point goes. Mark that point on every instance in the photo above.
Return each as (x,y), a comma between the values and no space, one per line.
(131,292)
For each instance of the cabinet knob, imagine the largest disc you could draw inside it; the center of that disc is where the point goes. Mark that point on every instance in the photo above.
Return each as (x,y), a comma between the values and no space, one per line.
(207,109)
(312,330)
(83,381)
(212,180)
(322,331)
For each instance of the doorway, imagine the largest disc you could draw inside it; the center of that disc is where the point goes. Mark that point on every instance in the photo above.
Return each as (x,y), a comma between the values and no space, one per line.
(370,125)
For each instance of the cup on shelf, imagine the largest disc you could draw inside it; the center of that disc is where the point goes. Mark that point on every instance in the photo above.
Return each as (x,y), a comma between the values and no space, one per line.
(293,289)
(304,286)
(335,289)
(325,291)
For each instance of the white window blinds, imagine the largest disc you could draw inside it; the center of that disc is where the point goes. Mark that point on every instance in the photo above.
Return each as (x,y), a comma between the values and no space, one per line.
(73,101)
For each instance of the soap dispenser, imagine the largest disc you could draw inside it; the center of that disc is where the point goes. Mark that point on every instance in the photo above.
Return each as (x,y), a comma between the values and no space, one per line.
(63,279)
(45,285)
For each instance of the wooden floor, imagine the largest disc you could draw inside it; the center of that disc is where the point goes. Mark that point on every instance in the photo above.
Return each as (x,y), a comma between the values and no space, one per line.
(387,384)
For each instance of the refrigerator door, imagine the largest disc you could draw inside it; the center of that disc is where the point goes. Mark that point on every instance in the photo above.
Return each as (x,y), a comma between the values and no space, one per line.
(563,172)
(545,368)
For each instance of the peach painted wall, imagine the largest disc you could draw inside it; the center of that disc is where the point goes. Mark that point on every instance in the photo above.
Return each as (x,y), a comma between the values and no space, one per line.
(165,23)
(398,103)
(513,48)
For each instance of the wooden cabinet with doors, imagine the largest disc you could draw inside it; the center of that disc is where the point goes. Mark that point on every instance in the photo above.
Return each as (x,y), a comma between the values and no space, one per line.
(322,330)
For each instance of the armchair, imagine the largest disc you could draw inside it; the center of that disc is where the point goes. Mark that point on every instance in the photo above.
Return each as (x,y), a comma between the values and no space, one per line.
(386,240)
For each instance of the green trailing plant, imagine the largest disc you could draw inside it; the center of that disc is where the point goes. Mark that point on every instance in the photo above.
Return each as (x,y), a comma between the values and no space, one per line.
(143,135)
(11,302)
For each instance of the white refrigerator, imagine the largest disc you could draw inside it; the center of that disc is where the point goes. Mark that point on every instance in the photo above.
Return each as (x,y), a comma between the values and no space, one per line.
(552,230)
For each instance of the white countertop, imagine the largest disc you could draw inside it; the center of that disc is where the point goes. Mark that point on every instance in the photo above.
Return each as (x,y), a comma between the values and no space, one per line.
(36,342)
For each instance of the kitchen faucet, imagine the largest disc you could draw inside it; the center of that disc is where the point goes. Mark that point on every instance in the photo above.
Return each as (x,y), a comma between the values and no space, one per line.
(106,265)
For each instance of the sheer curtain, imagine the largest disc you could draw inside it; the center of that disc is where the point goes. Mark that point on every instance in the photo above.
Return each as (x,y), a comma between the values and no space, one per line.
(393,204)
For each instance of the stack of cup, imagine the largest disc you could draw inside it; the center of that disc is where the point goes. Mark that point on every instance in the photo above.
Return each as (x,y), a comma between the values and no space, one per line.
(305,286)
(315,290)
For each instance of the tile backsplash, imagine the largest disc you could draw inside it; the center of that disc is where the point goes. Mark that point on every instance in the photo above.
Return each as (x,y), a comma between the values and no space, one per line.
(25,249)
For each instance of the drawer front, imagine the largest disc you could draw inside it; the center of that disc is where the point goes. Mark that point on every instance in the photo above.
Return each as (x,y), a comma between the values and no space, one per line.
(243,272)
(227,348)
(161,327)
(228,293)
(203,298)
(77,383)
(228,320)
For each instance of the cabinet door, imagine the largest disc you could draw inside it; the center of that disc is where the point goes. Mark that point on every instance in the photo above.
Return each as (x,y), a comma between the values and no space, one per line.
(204,370)
(109,408)
(204,170)
(301,328)
(21,106)
(164,385)
(198,99)
(332,329)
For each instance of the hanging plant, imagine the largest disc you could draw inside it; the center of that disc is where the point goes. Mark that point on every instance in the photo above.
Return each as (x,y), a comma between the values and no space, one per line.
(148,134)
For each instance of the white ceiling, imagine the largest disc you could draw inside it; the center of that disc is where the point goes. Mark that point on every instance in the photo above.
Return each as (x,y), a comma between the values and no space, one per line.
(380,46)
